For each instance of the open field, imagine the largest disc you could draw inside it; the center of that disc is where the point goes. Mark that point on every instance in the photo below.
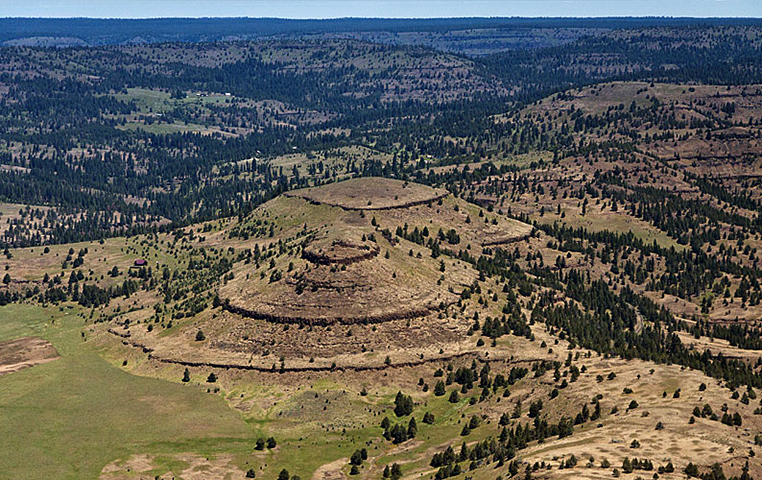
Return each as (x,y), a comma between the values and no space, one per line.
(101,412)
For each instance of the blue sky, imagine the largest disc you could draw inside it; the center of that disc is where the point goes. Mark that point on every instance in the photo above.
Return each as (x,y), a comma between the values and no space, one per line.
(377,8)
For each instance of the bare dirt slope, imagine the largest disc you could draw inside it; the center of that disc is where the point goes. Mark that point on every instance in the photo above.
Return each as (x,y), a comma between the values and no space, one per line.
(24,353)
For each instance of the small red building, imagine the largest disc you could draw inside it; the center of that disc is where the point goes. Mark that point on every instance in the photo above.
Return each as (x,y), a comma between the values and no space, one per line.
(140,263)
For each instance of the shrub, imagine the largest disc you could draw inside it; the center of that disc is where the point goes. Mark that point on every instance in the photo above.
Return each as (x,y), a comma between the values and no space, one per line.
(439,388)
(356,458)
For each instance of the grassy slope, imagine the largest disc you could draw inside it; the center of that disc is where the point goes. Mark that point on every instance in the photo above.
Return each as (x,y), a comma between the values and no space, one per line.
(68,418)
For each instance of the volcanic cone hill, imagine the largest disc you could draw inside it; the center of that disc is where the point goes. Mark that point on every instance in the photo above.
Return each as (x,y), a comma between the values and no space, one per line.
(341,271)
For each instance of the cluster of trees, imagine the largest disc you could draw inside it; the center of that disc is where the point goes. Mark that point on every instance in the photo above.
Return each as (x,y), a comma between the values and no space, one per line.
(399,433)
(501,449)
(715,473)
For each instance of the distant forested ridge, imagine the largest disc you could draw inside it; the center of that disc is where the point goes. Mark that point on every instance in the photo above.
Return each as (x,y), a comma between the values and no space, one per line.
(494,34)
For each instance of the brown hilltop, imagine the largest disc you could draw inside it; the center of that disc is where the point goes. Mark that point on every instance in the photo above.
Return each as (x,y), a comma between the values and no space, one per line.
(330,280)
(374,193)
(339,274)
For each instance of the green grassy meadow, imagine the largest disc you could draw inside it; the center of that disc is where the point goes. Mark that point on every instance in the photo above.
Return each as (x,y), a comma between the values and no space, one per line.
(70,417)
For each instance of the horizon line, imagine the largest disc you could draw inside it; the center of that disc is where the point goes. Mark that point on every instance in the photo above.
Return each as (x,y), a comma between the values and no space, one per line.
(497,17)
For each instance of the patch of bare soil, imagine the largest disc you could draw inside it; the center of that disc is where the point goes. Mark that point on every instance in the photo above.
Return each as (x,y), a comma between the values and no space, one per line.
(130,468)
(201,468)
(197,468)
(331,471)
(24,353)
